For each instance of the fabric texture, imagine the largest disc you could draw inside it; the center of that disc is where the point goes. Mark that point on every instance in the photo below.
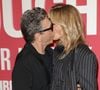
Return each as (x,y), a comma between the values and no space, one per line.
(32,70)
(79,66)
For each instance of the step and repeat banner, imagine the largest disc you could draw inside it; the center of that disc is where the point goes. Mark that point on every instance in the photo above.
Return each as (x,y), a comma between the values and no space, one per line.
(11,40)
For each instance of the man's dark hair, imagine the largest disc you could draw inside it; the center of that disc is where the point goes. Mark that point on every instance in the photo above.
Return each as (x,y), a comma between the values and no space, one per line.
(31,22)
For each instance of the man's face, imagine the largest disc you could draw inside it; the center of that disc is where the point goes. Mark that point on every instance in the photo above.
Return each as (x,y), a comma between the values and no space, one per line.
(47,31)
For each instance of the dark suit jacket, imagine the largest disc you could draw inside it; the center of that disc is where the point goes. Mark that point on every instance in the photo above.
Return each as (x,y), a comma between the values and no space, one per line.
(79,66)
(30,71)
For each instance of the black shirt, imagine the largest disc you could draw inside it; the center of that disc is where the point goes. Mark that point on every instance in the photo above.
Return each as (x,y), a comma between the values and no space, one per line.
(31,70)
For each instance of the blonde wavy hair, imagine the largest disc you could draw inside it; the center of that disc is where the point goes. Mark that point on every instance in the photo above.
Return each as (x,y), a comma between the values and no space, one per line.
(70,20)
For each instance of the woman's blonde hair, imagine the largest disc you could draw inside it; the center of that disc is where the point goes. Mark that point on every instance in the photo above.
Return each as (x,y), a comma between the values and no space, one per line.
(70,20)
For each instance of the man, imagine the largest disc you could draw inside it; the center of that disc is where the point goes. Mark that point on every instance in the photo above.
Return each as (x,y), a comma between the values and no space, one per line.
(33,64)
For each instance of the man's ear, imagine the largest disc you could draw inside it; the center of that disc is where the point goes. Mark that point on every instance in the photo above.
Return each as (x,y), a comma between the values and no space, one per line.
(38,37)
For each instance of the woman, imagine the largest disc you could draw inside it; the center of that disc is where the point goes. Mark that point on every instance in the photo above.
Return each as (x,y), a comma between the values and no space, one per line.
(75,65)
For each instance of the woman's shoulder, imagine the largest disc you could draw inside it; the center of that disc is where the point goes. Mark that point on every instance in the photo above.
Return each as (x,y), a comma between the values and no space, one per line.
(85,56)
(83,48)
(84,51)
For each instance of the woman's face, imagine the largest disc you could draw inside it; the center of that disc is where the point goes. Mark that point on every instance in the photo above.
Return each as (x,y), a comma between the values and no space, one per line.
(58,31)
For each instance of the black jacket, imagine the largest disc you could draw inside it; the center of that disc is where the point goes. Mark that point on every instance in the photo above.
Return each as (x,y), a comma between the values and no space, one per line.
(79,66)
(31,72)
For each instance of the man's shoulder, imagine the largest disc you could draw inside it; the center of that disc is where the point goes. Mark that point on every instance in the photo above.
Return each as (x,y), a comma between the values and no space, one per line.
(25,56)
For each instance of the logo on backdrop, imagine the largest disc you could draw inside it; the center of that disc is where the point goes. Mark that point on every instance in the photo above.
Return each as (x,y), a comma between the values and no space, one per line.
(7,7)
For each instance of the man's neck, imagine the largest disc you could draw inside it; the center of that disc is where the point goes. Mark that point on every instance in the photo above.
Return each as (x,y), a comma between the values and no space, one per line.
(40,48)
